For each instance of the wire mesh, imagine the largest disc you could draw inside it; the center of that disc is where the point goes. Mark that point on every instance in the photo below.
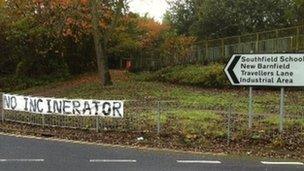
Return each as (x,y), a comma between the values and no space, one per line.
(175,117)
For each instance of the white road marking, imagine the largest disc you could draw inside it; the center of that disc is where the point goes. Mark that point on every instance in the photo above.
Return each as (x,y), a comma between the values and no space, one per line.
(282,163)
(199,161)
(111,161)
(21,160)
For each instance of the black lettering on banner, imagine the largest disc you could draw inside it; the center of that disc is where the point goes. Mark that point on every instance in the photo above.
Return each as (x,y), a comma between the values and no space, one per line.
(13,102)
(87,108)
(25,103)
(7,102)
(76,105)
(57,106)
(39,101)
(66,105)
(49,105)
(33,105)
(10,102)
(108,111)
(116,107)
(96,107)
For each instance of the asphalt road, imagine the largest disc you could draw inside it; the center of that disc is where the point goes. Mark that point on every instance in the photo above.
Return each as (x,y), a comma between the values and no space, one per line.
(24,154)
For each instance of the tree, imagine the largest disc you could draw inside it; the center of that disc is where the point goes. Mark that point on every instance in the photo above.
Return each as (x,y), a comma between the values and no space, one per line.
(98,18)
(218,18)
(181,16)
(2,3)
(102,35)
(152,37)
(299,8)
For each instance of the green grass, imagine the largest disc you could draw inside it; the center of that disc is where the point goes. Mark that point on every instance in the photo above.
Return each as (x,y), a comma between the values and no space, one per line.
(198,122)
(190,103)
(142,90)
(195,116)
(275,120)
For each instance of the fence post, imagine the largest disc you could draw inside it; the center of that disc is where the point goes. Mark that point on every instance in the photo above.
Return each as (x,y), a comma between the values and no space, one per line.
(229,124)
(257,43)
(223,48)
(206,51)
(199,54)
(158,117)
(250,111)
(43,121)
(277,40)
(302,117)
(298,39)
(2,110)
(97,124)
(240,49)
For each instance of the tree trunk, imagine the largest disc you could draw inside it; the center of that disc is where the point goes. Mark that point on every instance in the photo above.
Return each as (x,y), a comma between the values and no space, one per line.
(100,48)
(102,61)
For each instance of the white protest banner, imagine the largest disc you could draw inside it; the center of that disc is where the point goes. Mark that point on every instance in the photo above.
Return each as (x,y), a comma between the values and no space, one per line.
(72,107)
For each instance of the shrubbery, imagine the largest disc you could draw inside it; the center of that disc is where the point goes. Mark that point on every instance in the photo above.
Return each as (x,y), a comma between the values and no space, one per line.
(33,54)
(203,76)
(12,83)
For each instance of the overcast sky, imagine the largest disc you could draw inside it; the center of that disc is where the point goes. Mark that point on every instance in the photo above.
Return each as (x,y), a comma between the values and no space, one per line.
(155,8)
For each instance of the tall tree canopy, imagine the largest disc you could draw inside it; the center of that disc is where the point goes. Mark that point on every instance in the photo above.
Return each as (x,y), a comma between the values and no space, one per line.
(32,22)
(218,18)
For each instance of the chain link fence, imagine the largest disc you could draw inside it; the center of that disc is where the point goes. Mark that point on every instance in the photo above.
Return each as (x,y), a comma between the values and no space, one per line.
(172,117)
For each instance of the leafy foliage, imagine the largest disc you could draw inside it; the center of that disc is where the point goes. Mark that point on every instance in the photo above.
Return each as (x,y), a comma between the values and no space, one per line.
(41,38)
(219,18)
(176,49)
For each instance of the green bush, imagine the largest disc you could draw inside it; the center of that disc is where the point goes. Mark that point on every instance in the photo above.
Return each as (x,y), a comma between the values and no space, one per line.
(204,76)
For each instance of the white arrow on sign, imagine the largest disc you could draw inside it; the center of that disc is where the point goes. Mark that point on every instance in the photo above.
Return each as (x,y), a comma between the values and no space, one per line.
(284,70)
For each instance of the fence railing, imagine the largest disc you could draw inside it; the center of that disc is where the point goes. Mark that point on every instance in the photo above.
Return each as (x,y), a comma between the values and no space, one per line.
(289,39)
(163,117)
(280,40)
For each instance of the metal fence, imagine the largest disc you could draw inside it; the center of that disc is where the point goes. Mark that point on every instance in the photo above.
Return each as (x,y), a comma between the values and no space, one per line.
(161,117)
(289,39)
(280,40)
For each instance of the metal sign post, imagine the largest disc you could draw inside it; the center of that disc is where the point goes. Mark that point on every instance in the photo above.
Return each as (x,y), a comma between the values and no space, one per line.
(250,111)
(282,109)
